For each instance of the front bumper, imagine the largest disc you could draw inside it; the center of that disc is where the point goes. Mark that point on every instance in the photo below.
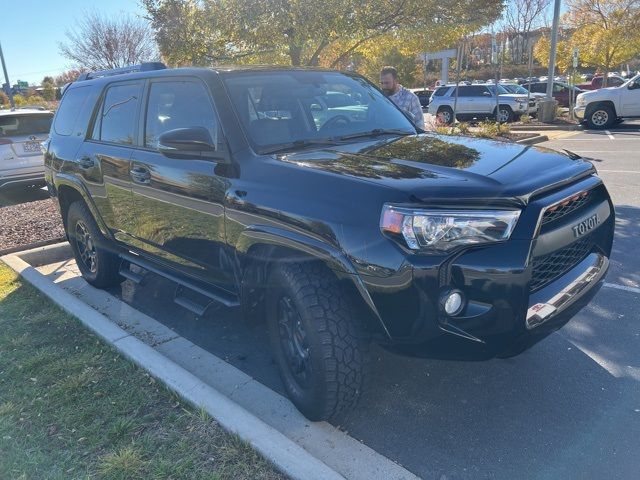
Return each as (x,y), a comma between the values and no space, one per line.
(579,112)
(506,310)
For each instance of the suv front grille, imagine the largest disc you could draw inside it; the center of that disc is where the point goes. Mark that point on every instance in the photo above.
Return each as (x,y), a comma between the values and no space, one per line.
(565,207)
(553,265)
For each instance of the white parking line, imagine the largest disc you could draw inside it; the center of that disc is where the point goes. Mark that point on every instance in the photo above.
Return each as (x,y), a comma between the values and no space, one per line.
(609,135)
(622,287)
(618,171)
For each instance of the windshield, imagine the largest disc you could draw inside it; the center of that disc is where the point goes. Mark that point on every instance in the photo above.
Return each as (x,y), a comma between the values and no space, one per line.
(516,89)
(283,107)
(501,89)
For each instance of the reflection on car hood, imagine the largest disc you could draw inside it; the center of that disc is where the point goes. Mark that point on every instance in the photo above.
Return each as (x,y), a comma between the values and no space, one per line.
(433,167)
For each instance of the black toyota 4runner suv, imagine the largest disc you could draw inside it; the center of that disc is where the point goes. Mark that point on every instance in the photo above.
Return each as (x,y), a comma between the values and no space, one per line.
(339,223)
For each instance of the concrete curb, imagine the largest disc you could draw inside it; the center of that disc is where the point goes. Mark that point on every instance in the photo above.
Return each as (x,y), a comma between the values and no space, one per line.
(29,246)
(533,140)
(534,128)
(286,455)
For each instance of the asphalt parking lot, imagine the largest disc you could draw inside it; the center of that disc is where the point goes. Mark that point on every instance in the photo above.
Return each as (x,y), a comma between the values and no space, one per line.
(568,408)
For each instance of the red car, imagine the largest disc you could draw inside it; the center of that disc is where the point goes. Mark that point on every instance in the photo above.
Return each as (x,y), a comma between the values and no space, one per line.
(561,91)
(596,82)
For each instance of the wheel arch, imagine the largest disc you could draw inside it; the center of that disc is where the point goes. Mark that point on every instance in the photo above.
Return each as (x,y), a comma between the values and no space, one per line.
(600,103)
(259,248)
(68,190)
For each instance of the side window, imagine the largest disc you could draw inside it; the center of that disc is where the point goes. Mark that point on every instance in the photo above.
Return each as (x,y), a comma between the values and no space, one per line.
(558,88)
(464,92)
(539,87)
(440,91)
(72,104)
(178,104)
(117,117)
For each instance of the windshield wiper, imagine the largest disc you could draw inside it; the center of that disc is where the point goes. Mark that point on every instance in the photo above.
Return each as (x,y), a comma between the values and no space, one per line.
(375,133)
(299,144)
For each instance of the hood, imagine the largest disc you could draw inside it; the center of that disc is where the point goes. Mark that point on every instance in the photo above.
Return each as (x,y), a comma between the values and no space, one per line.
(433,168)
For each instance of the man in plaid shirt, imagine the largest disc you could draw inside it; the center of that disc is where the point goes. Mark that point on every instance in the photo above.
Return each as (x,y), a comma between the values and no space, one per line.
(403,98)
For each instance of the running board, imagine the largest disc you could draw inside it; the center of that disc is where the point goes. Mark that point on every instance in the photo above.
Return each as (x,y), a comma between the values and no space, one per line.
(125,271)
(181,296)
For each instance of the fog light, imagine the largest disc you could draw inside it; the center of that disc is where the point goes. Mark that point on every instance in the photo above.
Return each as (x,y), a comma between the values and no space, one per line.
(453,303)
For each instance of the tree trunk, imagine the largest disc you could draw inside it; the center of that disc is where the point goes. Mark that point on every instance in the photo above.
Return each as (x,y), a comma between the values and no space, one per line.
(295,52)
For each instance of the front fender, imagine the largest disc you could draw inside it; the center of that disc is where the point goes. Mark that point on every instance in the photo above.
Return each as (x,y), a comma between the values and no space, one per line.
(263,235)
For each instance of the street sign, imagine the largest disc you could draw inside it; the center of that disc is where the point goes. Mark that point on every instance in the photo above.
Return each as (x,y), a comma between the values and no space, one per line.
(23,84)
(575,58)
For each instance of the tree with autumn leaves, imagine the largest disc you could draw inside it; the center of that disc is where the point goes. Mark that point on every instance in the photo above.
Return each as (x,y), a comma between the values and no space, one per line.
(328,33)
(606,33)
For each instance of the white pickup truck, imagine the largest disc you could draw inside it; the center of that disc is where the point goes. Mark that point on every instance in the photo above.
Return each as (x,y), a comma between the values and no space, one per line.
(602,108)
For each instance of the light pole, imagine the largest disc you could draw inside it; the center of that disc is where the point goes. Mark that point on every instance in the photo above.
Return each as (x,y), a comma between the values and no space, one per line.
(6,79)
(548,105)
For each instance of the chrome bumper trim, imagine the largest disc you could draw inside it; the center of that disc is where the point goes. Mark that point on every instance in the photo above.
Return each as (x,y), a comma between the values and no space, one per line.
(542,312)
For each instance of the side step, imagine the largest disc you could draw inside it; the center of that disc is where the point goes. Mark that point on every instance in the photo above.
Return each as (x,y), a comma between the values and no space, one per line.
(126,272)
(189,294)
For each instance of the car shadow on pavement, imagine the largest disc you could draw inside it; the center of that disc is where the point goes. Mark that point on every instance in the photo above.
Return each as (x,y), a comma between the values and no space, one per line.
(555,411)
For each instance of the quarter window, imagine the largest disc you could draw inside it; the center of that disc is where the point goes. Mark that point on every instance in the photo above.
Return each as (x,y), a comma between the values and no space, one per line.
(178,104)
(72,104)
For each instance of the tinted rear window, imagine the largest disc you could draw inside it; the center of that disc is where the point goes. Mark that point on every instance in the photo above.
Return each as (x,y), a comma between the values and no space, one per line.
(440,91)
(18,125)
(72,104)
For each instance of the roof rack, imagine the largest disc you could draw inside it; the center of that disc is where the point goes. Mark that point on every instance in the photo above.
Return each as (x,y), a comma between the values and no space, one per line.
(143,67)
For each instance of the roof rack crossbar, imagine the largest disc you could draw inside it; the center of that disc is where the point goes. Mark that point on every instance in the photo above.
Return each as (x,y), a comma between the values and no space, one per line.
(143,67)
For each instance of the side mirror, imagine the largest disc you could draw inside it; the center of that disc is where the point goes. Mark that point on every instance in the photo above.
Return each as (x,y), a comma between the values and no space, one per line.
(316,107)
(634,85)
(192,140)
(487,94)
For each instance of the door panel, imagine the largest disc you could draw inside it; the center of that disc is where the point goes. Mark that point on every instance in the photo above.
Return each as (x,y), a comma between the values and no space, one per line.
(630,100)
(178,201)
(104,160)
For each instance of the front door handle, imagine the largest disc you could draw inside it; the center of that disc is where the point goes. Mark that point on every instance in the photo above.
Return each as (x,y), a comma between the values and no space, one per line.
(140,175)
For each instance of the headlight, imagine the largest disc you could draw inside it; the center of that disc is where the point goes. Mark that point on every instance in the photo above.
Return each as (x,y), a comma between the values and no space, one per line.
(443,230)
(580,101)
(521,100)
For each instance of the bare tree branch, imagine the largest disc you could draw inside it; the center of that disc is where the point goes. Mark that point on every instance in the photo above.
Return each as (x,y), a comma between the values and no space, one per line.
(100,43)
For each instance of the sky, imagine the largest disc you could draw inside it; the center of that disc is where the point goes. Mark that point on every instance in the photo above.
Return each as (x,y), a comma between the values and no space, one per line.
(30,39)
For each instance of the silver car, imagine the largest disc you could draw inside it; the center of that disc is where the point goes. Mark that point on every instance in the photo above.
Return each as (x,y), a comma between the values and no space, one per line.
(476,101)
(21,134)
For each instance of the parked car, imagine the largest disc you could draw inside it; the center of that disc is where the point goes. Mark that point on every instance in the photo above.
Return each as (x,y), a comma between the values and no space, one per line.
(424,95)
(477,101)
(561,91)
(338,234)
(602,108)
(21,134)
(597,82)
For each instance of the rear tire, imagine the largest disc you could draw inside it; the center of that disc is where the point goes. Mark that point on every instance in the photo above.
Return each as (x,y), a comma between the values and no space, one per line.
(600,117)
(446,114)
(98,266)
(319,345)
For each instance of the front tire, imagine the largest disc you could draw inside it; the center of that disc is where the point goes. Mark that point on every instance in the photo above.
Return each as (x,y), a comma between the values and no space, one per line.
(505,114)
(98,266)
(319,345)
(601,117)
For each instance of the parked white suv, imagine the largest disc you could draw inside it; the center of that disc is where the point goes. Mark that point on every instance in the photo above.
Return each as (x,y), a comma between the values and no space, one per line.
(21,158)
(602,108)
(477,101)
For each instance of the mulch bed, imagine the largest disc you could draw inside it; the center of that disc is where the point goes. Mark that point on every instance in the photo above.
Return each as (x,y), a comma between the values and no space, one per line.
(29,223)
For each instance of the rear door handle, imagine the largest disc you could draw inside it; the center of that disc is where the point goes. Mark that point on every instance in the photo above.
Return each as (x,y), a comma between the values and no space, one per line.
(140,175)
(86,162)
